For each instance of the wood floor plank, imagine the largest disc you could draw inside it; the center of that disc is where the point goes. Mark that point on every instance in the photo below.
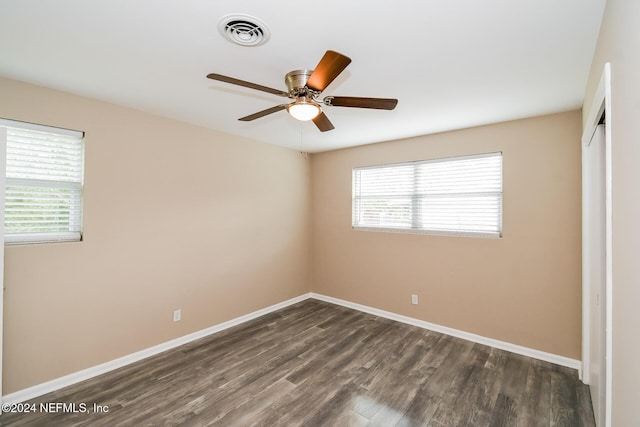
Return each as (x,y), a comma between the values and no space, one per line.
(244,413)
(506,412)
(318,364)
(472,394)
(536,398)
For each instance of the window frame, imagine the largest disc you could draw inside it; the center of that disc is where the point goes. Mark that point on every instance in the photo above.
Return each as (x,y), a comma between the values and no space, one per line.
(75,235)
(417,198)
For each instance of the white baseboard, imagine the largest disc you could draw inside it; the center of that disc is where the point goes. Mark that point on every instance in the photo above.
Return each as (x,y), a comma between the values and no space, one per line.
(85,374)
(502,345)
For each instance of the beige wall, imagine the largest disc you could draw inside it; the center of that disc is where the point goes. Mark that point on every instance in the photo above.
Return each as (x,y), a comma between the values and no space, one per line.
(175,216)
(619,43)
(523,288)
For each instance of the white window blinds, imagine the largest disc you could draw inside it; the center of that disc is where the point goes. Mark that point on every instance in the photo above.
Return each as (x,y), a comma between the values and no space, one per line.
(43,201)
(461,195)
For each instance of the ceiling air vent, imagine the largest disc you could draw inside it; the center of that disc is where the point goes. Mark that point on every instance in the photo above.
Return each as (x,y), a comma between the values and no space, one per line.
(243,30)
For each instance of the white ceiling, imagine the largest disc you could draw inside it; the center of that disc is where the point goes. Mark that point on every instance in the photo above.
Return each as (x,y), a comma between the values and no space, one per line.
(451,64)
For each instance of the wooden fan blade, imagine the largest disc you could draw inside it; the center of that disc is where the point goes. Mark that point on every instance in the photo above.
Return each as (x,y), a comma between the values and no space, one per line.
(250,85)
(323,123)
(352,101)
(263,113)
(331,64)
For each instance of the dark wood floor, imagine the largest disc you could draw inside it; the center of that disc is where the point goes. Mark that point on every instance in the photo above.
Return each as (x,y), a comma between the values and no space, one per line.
(317,364)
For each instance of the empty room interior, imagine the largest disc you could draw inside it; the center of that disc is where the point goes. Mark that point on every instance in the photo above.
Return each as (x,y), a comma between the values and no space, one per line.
(344,214)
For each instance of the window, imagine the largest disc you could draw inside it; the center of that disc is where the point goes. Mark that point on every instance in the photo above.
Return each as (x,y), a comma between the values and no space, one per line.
(43,201)
(459,196)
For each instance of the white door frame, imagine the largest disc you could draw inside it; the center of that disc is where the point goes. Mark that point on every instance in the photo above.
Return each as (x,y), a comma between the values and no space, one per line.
(600,105)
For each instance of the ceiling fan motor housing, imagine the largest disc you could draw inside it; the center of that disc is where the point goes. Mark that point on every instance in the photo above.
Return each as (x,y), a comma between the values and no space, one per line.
(296,82)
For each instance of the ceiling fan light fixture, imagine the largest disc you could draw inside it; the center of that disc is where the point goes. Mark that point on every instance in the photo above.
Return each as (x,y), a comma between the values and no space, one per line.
(304,109)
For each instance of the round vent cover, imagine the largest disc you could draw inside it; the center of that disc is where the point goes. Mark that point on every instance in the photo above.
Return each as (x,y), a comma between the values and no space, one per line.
(243,30)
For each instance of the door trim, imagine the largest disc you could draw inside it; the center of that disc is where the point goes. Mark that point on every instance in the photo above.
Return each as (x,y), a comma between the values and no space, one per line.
(601,104)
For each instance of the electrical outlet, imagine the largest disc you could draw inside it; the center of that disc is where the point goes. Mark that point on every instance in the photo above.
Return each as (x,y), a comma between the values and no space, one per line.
(177,315)
(414,299)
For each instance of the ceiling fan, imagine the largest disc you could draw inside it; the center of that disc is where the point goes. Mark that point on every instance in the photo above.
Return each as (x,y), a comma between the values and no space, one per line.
(305,86)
